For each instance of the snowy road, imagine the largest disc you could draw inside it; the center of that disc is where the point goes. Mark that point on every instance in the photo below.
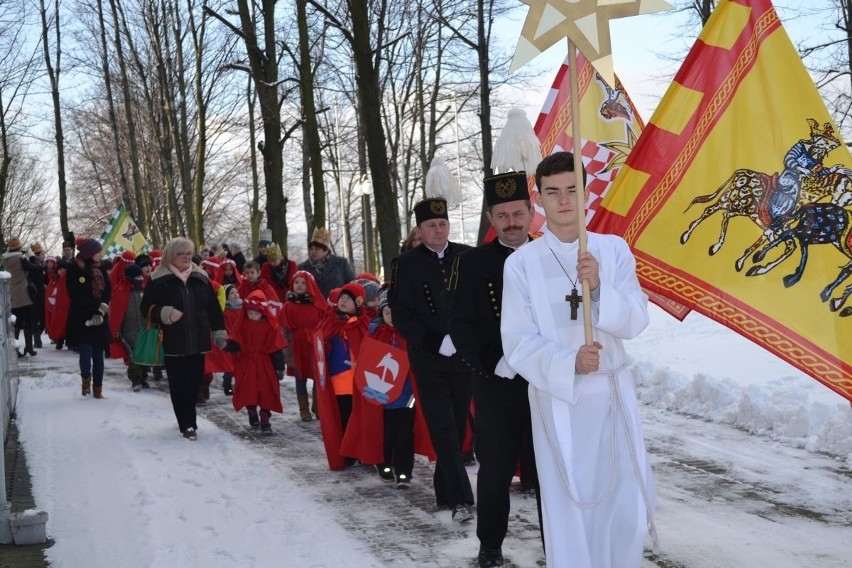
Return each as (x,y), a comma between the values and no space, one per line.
(726,498)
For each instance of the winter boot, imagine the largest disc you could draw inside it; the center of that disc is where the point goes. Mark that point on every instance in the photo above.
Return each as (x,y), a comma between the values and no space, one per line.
(137,386)
(98,392)
(264,421)
(28,341)
(254,421)
(60,343)
(227,384)
(87,385)
(158,373)
(304,409)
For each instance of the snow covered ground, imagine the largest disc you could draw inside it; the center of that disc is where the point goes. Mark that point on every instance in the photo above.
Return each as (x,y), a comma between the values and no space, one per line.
(752,459)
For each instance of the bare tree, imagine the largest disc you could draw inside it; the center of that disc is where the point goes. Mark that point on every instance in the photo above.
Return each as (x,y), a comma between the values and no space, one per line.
(263,66)
(829,62)
(17,65)
(53,68)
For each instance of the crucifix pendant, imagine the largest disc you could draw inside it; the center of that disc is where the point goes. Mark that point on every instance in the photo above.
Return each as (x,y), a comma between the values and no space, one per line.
(574,299)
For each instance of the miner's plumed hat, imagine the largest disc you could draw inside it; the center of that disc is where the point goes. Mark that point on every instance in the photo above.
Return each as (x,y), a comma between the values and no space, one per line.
(430,208)
(505,187)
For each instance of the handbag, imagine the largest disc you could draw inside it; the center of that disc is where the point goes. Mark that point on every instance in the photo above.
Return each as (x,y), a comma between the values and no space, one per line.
(148,350)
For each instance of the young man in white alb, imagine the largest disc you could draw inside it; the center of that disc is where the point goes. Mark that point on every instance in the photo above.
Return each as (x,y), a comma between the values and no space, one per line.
(596,486)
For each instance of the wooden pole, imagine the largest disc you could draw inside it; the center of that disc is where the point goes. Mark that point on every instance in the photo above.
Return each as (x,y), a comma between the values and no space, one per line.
(581,187)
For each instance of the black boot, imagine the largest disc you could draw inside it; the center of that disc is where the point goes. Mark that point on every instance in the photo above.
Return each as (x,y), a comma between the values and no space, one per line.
(28,341)
(227,384)
(254,421)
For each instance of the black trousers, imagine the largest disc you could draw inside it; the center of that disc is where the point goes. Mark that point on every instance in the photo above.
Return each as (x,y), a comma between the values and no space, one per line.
(399,439)
(503,437)
(185,373)
(445,399)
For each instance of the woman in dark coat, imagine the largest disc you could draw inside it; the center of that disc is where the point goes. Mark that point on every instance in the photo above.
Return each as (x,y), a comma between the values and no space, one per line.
(181,299)
(89,293)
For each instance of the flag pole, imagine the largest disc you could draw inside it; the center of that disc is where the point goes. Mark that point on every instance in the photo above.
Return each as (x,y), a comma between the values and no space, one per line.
(581,187)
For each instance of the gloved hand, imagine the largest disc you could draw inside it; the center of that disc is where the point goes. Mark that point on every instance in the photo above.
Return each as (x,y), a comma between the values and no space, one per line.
(220,338)
(95,320)
(103,309)
(169,315)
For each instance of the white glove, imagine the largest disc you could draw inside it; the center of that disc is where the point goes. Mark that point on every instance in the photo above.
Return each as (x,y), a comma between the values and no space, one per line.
(447,348)
(504,370)
(169,315)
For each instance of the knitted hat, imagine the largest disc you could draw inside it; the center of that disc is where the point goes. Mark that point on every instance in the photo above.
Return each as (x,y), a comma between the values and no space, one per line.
(35,248)
(321,237)
(13,244)
(132,271)
(506,187)
(431,208)
(88,248)
(128,255)
(384,300)
(371,290)
(273,252)
(263,243)
(143,260)
(354,291)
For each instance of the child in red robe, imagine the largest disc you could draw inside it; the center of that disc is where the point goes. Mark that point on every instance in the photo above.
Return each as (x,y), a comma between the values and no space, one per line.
(56,304)
(342,330)
(227,273)
(303,311)
(219,360)
(258,346)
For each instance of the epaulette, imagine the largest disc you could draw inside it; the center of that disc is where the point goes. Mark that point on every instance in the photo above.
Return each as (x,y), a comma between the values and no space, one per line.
(537,234)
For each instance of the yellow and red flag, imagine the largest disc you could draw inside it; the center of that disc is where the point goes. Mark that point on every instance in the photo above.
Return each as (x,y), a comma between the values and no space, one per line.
(610,125)
(736,198)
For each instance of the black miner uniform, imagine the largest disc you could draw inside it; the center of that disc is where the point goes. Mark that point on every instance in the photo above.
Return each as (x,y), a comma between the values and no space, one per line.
(420,304)
(501,406)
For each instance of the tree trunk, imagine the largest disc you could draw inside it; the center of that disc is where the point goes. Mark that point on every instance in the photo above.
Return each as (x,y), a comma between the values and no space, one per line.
(141,215)
(310,127)
(53,75)
(369,96)
(485,109)
(122,175)
(256,213)
(197,230)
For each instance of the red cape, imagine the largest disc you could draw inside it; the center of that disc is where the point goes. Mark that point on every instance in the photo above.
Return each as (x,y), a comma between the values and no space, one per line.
(353,329)
(364,436)
(217,360)
(282,288)
(257,383)
(56,304)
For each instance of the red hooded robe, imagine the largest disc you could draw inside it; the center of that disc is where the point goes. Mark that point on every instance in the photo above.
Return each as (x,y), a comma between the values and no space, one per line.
(257,382)
(56,304)
(352,329)
(302,319)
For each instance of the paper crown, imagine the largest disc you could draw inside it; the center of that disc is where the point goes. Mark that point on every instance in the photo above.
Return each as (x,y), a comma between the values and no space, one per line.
(321,237)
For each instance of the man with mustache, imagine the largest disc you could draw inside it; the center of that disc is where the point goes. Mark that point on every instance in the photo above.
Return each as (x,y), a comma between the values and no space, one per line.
(501,406)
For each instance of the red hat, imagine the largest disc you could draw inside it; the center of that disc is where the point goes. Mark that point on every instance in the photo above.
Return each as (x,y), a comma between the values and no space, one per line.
(129,256)
(368,276)
(354,291)
(333,295)
(156,253)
